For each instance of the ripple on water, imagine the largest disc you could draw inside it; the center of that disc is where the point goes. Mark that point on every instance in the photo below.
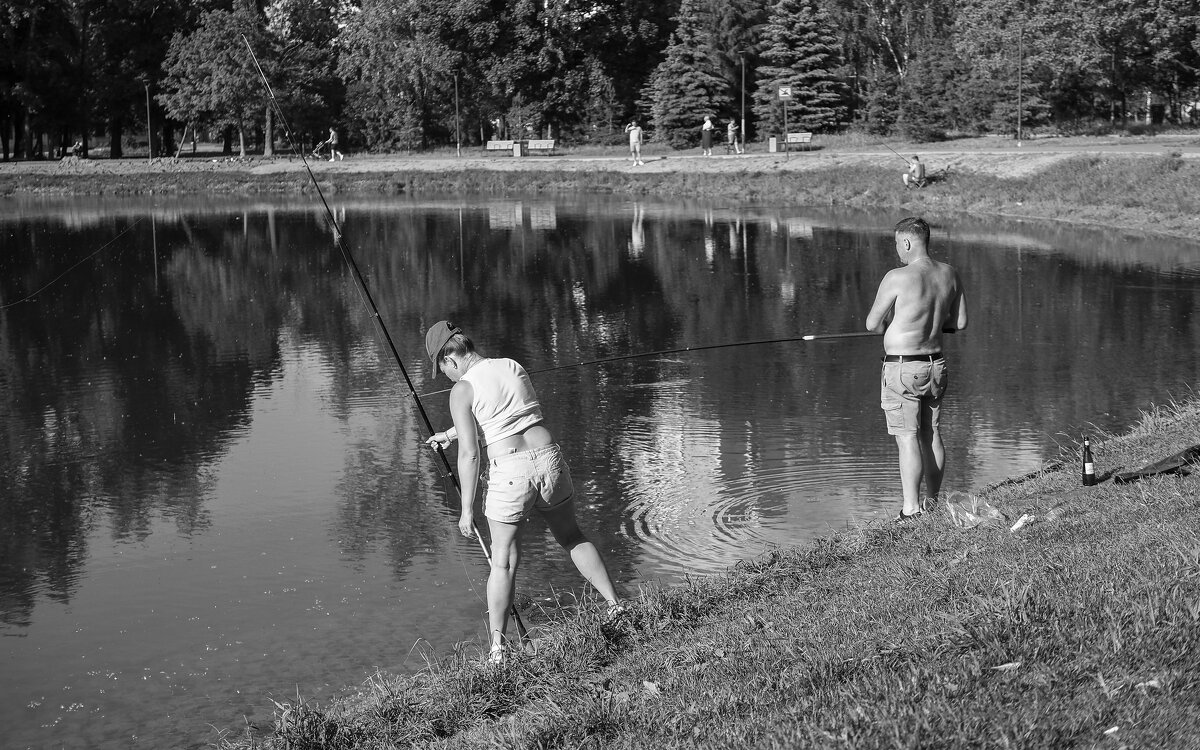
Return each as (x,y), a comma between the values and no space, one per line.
(696,503)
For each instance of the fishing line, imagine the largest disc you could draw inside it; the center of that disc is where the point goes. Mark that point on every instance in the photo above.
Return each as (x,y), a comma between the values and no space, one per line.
(702,347)
(365,293)
(51,282)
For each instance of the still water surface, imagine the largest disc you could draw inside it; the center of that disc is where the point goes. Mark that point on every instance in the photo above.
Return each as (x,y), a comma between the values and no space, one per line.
(213,490)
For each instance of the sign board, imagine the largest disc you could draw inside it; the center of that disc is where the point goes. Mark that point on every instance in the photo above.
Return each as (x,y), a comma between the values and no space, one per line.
(785,92)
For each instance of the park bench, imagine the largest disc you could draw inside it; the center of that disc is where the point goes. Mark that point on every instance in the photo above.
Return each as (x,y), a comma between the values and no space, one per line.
(546,146)
(500,146)
(800,139)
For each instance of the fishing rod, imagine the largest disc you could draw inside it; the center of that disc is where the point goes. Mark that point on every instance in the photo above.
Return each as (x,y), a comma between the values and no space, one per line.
(660,352)
(897,153)
(365,293)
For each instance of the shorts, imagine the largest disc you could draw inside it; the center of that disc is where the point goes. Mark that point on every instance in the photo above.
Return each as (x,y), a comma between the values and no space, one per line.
(517,482)
(911,395)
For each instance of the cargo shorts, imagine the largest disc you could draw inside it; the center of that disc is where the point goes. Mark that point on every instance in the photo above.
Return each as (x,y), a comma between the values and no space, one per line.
(911,393)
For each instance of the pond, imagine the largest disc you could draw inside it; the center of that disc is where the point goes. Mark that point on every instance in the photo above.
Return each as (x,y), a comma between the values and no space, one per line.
(213,486)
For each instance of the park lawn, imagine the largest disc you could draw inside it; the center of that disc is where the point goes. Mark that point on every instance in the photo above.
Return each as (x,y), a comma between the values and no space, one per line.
(1079,629)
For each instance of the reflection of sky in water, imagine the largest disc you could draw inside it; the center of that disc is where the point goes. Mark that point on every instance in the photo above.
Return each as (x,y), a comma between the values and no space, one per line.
(253,508)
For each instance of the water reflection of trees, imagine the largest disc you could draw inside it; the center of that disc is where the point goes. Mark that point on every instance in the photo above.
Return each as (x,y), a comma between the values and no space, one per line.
(129,375)
(125,378)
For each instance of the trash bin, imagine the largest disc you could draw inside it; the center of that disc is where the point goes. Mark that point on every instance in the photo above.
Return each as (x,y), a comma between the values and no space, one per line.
(772,144)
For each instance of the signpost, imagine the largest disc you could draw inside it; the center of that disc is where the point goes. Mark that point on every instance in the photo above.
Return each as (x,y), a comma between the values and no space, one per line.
(785,93)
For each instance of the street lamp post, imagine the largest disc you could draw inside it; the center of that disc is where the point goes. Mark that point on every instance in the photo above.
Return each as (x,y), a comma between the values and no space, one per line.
(742,57)
(149,129)
(1020,76)
(457,137)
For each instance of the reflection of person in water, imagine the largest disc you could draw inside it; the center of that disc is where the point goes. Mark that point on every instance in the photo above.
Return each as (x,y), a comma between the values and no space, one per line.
(637,236)
(710,242)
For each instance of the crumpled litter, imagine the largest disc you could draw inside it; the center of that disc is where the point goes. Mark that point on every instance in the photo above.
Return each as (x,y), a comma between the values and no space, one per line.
(1178,463)
(970,511)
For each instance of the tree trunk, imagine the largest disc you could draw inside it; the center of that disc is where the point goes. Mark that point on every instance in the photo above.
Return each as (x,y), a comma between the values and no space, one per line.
(115,131)
(269,134)
(4,136)
(168,137)
(242,140)
(27,140)
(227,136)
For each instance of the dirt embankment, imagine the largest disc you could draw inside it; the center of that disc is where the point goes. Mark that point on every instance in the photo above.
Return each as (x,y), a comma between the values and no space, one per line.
(981,175)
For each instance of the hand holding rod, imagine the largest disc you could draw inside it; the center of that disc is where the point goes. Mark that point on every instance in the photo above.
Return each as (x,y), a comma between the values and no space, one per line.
(365,293)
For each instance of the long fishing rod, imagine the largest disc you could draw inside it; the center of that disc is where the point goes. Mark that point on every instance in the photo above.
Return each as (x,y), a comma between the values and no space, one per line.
(365,293)
(897,153)
(660,352)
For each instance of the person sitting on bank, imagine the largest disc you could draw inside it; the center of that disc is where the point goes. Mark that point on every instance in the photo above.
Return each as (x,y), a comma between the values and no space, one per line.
(915,176)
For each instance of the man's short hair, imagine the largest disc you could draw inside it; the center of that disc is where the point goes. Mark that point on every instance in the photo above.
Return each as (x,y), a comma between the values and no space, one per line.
(914,227)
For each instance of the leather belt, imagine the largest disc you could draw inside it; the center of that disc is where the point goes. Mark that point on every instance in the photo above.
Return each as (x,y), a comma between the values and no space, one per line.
(913,357)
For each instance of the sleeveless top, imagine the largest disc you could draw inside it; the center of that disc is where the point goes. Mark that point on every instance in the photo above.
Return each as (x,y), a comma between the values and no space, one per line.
(504,400)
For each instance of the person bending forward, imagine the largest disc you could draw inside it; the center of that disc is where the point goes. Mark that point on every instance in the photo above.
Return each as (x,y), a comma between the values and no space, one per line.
(914,306)
(493,405)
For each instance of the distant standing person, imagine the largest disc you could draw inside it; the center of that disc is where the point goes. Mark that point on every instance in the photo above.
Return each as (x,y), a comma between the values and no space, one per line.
(494,406)
(333,145)
(915,176)
(635,142)
(914,306)
(732,136)
(706,135)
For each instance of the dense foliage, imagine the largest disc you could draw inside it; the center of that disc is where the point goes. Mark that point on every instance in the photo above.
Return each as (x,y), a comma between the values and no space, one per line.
(397,74)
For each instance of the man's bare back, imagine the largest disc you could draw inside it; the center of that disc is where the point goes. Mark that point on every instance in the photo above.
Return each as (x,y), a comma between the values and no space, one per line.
(917,301)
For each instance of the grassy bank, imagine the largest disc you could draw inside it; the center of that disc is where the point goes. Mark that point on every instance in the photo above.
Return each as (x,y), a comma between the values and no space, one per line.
(1079,629)
(1129,191)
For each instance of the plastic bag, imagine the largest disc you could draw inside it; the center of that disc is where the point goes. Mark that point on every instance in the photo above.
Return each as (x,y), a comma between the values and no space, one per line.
(969,511)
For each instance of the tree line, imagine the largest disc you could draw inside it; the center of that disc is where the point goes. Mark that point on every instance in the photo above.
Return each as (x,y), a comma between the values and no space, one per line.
(401,75)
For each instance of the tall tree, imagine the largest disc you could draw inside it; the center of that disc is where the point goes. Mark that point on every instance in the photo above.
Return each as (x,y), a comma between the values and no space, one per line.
(628,38)
(399,76)
(929,105)
(738,27)
(38,93)
(687,84)
(210,77)
(302,34)
(800,50)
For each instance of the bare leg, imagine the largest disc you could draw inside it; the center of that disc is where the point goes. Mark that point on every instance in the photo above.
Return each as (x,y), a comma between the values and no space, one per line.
(562,523)
(933,454)
(502,580)
(911,470)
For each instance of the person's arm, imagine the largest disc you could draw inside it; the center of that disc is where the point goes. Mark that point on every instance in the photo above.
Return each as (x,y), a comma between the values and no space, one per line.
(960,318)
(956,320)
(461,396)
(885,304)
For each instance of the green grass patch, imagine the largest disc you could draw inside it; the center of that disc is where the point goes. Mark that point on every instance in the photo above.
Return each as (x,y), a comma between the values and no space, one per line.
(1081,629)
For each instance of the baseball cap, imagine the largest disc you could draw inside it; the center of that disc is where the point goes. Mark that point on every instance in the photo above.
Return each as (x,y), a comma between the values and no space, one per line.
(437,336)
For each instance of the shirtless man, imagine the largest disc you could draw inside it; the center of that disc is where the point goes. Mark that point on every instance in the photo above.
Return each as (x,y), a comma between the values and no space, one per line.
(914,306)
